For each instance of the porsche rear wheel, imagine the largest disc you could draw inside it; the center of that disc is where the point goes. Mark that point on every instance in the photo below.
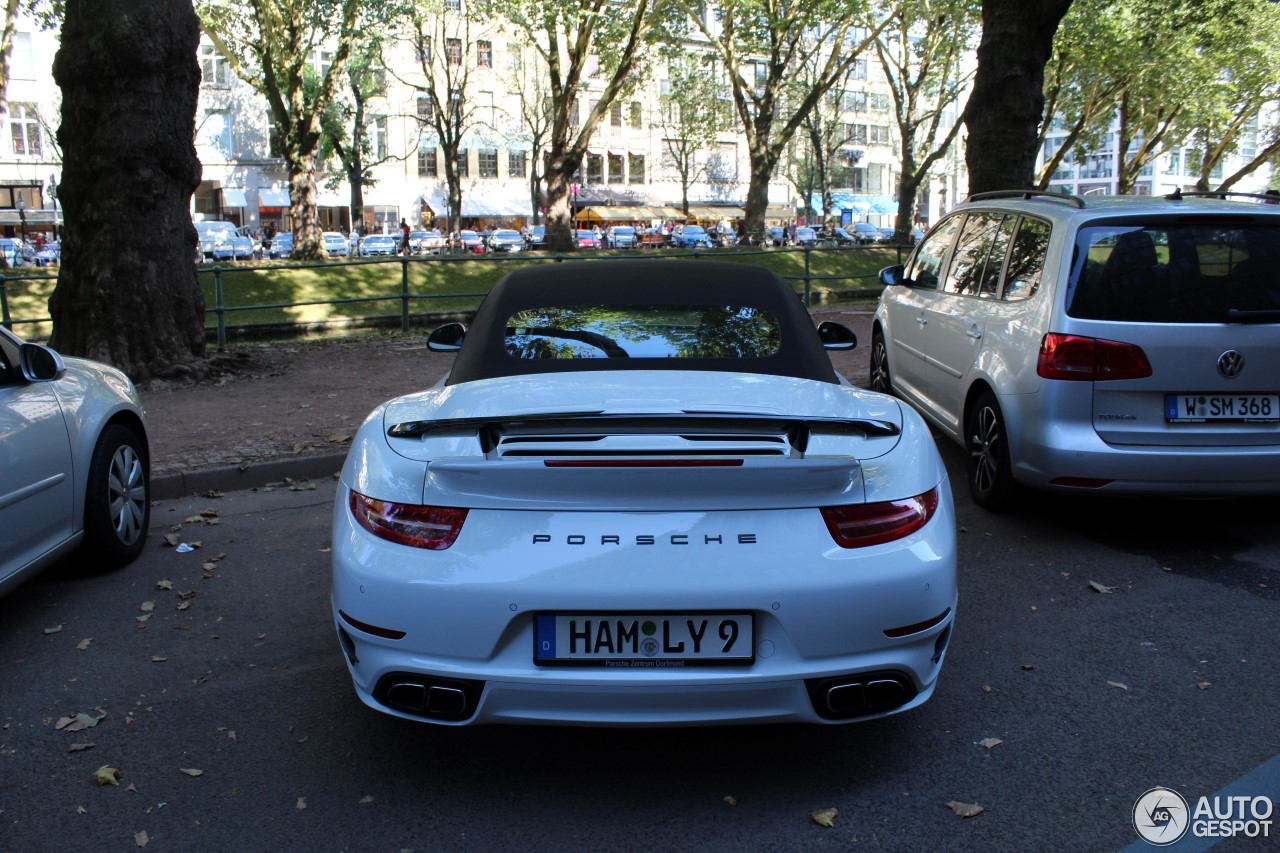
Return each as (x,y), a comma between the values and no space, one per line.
(117,505)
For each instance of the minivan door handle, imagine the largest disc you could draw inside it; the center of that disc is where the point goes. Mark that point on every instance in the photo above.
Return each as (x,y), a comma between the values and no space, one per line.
(974,333)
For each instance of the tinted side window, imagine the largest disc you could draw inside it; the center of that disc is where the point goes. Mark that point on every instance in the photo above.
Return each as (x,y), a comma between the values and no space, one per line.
(969,263)
(1026,261)
(931,255)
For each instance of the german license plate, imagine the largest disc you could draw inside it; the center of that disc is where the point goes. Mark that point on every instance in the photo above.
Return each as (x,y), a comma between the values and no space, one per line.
(643,640)
(1202,408)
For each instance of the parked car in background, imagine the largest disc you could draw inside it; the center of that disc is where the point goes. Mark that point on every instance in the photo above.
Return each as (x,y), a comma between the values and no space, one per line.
(806,236)
(471,242)
(887,234)
(692,237)
(1101,345)
(697,521)
(428,242)
(622,237)
(336,244)
(281,246)
(506,240)
(16,253)
(588,239)
(535,236)
(75,460)
(236,247)
(211,234)
(865,233)
(842,237)
(378,244)
(777,236)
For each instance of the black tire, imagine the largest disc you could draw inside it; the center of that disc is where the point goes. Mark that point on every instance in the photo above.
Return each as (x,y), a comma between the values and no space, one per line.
(879,379)
(117,501)
(990,474)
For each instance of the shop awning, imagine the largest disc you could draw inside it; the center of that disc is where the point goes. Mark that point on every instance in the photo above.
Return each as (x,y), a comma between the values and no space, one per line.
(233,198)
(716,212)
(779,211)
(39,216)
(480,205)
(273,197)
(621,213)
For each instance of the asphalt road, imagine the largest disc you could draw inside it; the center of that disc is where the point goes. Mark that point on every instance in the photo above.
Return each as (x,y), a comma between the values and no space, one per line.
(1168,679)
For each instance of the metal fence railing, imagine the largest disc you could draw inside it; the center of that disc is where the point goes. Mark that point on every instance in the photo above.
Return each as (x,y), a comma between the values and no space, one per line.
(406,297)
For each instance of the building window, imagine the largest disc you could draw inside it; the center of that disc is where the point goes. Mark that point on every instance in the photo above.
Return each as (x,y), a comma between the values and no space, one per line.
(878,134)
(879,102)
(321,61)
(22,64)
(464,166)
(453,50)
(854,134)
(427,163)
(24,124)
(516,161)
(488,162)
(453,5)
(636,162)
(422,51)
(617,169)
(426,109)
(515,59)
(725,167)
(595,169)
(859,70)
(378,137)
(637,115)
(615,114)
(574,114)
(215,129)
(484,54)
(854,102)
(214,70)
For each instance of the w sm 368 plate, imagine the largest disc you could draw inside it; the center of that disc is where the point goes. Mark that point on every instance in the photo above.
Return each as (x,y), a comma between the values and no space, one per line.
(643,640)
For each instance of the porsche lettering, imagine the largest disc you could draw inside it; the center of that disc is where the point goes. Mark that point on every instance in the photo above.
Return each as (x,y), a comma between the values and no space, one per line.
(647,539)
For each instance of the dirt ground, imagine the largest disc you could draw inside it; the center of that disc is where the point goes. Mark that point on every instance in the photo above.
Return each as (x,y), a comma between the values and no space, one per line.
(302,398)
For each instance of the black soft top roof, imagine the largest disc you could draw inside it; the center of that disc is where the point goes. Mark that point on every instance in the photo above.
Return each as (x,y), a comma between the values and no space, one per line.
(642,282)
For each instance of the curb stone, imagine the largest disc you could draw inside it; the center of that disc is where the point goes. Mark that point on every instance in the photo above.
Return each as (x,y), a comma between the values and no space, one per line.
(232,477)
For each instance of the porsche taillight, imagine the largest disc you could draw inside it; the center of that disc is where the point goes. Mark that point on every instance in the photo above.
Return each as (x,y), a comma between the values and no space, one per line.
(432,527)
(860,525)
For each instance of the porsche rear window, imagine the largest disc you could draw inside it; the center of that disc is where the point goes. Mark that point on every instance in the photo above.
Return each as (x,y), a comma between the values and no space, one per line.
(642,331)
(1177,272)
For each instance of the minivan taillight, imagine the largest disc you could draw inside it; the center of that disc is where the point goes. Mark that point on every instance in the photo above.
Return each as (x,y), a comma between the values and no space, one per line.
(861,525)
(432,527)
(1082,359)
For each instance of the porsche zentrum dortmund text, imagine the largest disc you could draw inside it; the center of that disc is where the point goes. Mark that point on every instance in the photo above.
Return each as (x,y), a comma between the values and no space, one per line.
(646,539)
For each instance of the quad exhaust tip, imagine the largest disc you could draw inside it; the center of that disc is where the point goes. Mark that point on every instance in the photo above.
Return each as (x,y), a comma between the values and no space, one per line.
(849,697)
(452,700)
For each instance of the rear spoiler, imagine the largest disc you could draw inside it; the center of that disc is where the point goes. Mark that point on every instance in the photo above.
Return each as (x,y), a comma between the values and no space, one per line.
(798,429)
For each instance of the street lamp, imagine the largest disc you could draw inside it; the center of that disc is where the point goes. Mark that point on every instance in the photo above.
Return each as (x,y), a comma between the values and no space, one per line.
(22,215)
(53,194)
(573,205)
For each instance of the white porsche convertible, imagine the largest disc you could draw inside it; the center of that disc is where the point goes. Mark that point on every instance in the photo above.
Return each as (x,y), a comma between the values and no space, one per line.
(643,497)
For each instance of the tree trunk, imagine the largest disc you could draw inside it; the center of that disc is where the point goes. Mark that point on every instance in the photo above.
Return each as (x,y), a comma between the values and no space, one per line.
(758,194)
(127,291)
(1007,102)
(308,236)
(560,169)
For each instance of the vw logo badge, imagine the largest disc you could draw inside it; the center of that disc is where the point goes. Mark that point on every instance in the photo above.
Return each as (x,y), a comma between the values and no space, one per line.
(1230,363)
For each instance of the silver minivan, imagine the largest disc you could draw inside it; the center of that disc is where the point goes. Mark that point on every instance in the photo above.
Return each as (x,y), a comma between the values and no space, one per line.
(1117,345)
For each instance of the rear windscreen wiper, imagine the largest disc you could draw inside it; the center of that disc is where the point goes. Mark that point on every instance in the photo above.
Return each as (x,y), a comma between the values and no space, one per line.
(1265,315)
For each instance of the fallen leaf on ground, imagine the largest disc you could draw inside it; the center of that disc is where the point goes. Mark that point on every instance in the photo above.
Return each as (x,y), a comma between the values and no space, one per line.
(131,789)
(172,540)
(339,438)
(1026,667)
(986,688)
(158,659)
(83,645)
(105,775)
(965,809)
(209,513)
(730,800)
(147,606)
(78,723)
(81,810)
(1203,685)
(54,630)
(164,584)
(825,817)
(140,838)
(79,747)
(183,605)
(190,771)
(1117,684)
(989,742)
(1103,588)
(301,804)
(366,800)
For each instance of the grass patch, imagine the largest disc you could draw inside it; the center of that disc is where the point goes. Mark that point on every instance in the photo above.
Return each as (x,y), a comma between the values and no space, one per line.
(275,292)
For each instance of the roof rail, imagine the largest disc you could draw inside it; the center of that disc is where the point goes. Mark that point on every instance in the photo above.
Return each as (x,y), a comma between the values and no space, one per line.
(1270,196)
(1073,200)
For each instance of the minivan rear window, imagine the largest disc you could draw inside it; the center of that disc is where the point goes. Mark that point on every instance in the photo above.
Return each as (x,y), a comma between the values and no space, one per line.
(1175,272)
